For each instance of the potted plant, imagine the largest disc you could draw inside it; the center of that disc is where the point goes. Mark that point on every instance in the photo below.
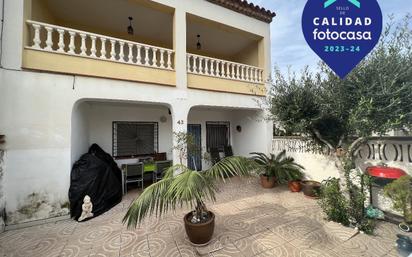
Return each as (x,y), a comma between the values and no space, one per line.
(399,191)
(278,169)
(182,186)
(311,188)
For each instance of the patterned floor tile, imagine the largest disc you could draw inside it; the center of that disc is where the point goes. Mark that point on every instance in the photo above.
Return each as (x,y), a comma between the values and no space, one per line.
(249,246)
(249,222)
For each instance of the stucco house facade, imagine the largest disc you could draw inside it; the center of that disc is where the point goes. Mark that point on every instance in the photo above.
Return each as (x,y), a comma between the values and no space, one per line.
(74,73)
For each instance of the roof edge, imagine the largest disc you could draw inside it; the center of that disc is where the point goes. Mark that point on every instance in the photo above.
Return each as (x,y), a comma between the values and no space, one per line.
(246,8)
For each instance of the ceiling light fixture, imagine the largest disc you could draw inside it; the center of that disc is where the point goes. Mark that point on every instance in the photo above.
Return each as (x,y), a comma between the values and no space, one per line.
(198,45)
(130,29)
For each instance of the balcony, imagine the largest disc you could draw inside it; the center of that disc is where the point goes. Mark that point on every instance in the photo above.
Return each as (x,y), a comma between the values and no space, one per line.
(223,58)
(203,65)
(61,38)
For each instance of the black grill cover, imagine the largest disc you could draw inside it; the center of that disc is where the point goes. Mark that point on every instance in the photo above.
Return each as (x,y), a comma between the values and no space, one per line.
(97,175)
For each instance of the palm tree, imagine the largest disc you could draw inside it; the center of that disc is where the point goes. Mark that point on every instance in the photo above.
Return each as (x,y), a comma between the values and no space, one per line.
(182,186)
(283,168)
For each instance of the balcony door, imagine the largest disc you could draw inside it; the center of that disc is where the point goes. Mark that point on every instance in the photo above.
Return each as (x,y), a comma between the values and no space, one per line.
(194,156)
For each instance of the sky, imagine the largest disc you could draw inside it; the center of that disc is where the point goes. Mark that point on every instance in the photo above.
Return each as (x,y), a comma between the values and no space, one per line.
(289,48)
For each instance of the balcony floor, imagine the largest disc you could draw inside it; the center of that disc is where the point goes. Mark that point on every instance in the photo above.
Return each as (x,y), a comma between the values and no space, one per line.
(250,221)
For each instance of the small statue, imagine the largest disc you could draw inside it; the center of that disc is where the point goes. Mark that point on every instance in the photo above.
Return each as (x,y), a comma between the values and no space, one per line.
(87,208)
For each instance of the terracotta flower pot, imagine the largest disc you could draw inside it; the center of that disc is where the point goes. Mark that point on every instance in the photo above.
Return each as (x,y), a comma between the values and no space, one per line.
(200,233)
(310,188)
(267,182)
(295,186)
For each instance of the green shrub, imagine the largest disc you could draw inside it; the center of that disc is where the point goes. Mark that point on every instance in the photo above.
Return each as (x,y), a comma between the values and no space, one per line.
(399,191)
(333,202)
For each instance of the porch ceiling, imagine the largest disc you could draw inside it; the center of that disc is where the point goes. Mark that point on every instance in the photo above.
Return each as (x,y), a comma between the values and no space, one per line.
(218,39)
(152,23)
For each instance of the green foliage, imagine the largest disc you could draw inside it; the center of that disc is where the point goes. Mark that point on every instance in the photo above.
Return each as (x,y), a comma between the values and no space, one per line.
(399,191)
(280,166)
(367,226)
(347,212)
(333,203)
(182,186)
(185,143)
(374,98)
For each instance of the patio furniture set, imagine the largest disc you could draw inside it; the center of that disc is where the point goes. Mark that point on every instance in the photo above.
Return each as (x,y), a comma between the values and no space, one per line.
(140,172)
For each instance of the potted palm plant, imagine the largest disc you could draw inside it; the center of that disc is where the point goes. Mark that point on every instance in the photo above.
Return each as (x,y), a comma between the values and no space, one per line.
(182,186)
(278,169)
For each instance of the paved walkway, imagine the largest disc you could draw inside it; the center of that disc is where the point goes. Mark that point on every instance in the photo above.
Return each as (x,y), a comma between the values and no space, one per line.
(250,221)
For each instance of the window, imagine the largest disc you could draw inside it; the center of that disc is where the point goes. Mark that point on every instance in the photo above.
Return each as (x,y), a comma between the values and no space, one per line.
(135,138)
(217,135)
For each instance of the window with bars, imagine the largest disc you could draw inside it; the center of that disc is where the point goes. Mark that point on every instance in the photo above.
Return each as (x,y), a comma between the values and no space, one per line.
(217,135)
(135,138)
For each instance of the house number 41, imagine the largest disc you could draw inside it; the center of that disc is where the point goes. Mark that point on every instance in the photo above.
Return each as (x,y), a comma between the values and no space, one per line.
(180,122)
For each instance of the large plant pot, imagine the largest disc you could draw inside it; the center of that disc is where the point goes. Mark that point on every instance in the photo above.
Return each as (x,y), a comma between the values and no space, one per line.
(267,182)
(310,188)
(295,186)
(201,233)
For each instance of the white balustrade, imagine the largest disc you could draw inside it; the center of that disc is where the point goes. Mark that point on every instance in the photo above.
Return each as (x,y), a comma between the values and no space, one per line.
(208,66)
(91,45)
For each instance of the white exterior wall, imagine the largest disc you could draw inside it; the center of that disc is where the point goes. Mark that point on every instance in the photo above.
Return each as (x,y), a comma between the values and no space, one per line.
(248,140)
(47,127)
(44,136)
(101,116)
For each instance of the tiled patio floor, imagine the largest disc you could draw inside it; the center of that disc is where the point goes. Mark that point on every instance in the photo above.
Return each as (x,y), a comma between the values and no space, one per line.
(250,221)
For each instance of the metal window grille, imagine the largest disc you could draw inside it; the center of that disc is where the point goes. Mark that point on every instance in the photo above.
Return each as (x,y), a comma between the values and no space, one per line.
(135,138)
(217,134)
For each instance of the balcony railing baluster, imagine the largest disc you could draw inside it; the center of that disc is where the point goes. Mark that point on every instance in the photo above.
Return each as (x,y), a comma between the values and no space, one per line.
(93,49)
(61,40)
(139,55)
(113,50)
(72,47)
(89,46)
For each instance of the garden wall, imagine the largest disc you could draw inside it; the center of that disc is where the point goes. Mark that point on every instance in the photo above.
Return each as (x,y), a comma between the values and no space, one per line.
(319,164)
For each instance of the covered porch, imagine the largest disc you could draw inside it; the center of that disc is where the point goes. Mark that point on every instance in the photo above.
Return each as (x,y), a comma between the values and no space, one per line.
(224,131)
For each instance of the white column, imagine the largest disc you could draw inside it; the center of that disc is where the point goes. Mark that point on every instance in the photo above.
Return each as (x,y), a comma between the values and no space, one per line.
(212,68)
(180,111)
(179,45)
(217,69)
